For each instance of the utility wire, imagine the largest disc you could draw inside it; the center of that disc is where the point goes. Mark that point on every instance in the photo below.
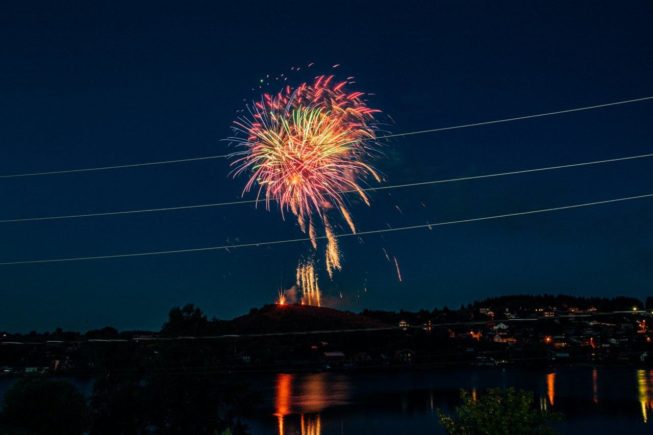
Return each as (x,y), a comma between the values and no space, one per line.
(503,174)
(410,133)
(106,168)
(519,118)
(127,212)
(305,239)
(393,186)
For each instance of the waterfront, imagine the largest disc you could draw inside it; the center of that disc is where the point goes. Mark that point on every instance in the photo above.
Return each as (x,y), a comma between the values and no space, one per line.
(596,400)
(601,400)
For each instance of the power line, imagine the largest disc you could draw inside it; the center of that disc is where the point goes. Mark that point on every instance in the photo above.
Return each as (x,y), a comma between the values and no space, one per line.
(127,212)
(518,172)
(389,136)
(520,118)
(394,186)
(106,168)
(305,239)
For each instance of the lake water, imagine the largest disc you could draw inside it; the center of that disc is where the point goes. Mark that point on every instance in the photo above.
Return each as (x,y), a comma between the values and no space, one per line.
(592,400)
(597,401)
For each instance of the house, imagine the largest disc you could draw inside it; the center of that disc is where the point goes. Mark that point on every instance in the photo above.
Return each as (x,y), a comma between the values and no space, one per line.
(476,335)
(362,357)
(36,370)
(504,339)
(333,358)
(406,356)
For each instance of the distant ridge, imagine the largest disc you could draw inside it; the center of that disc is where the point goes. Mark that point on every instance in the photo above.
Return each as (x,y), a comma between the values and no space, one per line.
(294,317)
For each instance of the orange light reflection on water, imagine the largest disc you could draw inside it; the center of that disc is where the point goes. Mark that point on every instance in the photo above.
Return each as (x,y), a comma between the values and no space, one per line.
(282,399)
(305,396)
(551,387)
(311,424)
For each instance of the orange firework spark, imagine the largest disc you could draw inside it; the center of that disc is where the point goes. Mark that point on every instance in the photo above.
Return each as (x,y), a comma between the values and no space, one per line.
(281,299)
(304,148)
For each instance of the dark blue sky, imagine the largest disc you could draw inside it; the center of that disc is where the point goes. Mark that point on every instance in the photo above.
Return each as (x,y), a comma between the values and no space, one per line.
(99,83)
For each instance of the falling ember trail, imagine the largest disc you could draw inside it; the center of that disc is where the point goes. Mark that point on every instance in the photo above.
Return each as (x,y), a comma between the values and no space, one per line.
(307,283)
(398,270)
(332,251)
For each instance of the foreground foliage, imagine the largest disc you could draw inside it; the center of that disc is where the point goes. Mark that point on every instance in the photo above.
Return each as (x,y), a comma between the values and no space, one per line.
(498,412)
(43,406)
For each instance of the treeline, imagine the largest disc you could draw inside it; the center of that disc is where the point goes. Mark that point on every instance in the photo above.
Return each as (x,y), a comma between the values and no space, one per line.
(547,301)
(515,304)
(189,320)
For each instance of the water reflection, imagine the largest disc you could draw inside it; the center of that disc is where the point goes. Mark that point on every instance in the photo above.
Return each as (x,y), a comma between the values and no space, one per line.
(282,399)
(645,392)
(595,386)
(306,396)
(311,404)
(313,393)
(311,425)
(551,387)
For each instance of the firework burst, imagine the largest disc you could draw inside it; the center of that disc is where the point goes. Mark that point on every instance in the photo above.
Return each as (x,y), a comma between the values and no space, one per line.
(305,148)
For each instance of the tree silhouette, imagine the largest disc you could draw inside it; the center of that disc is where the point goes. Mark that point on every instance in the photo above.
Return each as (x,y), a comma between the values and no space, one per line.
(189,320)
(42,406)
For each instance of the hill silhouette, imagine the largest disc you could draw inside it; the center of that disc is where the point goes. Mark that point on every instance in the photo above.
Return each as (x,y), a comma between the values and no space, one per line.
(294,317)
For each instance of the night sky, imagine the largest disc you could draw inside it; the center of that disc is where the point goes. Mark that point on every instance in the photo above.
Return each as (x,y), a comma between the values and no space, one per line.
(99,83)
